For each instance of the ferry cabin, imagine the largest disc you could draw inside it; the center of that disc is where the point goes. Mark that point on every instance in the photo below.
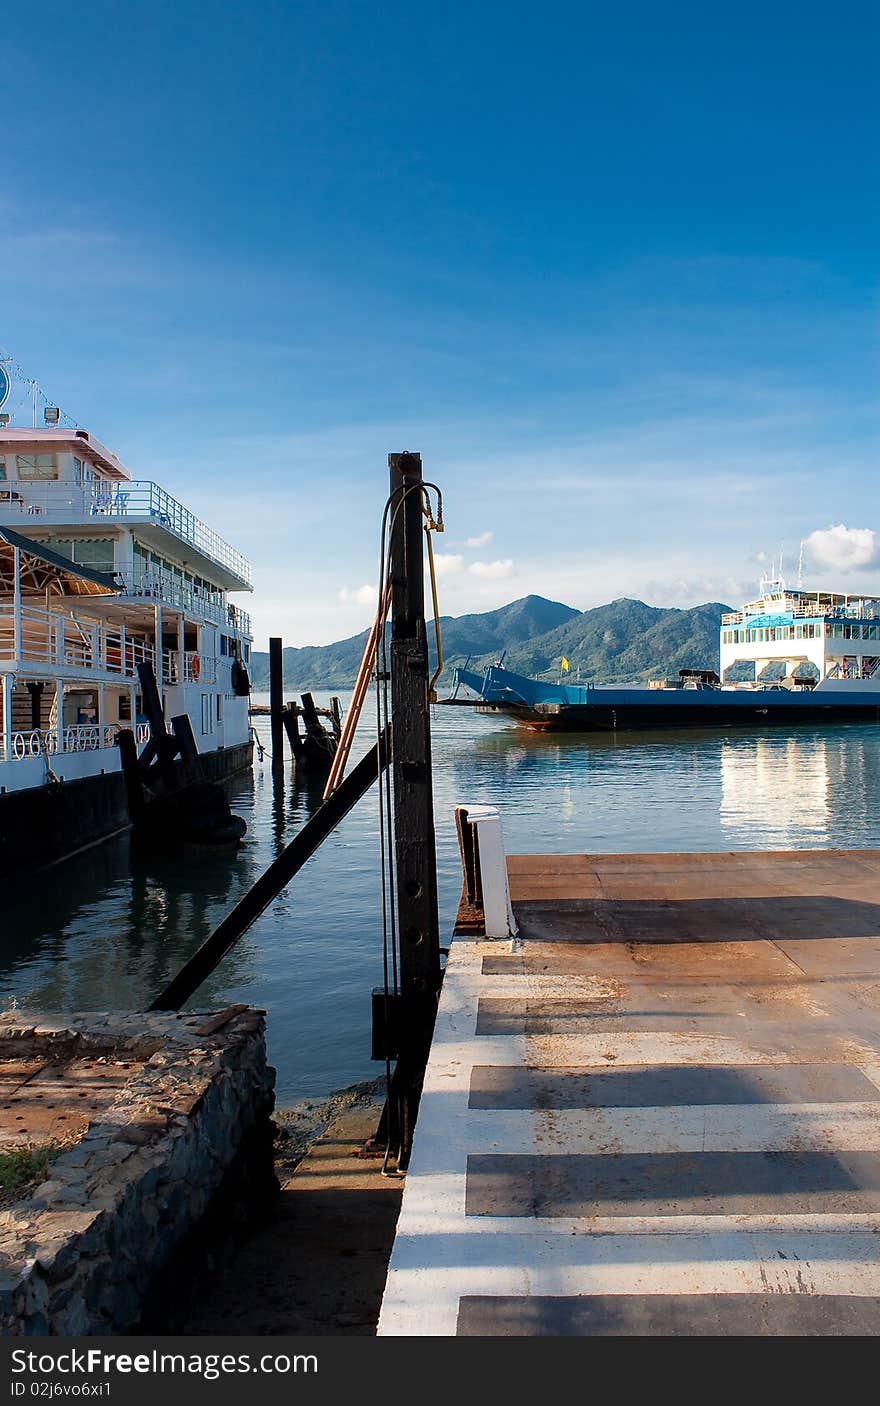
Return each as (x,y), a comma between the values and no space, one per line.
(99,572)
(821,635)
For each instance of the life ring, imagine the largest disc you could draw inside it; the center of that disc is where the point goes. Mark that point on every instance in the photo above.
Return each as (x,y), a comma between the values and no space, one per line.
(195,666)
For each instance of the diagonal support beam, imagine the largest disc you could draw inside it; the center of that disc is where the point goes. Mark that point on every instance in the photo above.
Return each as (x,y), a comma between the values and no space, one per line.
(303,845)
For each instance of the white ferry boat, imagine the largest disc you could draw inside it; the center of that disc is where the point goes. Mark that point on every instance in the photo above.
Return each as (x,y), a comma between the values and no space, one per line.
(100,572)
(811,656)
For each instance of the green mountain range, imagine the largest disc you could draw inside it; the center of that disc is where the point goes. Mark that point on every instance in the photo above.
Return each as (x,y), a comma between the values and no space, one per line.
(624,641)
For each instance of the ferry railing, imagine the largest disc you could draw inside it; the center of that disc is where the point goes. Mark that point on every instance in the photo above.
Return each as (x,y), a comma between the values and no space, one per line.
(196,668)
(199,668)
(806,612)
(134,500)
(76,737)
(70,642)
(168,590)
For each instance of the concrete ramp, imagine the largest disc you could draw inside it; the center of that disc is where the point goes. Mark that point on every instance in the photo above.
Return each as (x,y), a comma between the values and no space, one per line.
(657,1110)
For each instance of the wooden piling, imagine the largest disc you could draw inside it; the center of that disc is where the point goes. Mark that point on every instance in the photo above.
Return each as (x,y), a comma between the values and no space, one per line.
(276,702)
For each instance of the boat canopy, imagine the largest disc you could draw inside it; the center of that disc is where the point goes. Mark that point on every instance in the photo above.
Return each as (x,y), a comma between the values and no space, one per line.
(44,570)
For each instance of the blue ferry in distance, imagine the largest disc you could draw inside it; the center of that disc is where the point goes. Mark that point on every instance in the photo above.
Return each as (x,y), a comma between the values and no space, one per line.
(823,648)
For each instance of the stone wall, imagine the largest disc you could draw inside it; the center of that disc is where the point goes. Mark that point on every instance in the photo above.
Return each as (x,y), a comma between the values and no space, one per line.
(81,1255)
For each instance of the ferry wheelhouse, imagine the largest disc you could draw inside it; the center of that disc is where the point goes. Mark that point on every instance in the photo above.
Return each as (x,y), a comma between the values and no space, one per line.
(812,635)
(100,572)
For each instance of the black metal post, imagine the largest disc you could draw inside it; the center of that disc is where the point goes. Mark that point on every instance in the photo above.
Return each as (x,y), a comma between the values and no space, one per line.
(415,853)
(276,702)
(163,746)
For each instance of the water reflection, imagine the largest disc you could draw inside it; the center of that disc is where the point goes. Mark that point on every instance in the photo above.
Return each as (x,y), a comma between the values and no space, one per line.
(776,790)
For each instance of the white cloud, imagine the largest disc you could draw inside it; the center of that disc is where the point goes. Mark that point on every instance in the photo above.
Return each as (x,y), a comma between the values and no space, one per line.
(492,570)
(482,540)
(682,592)
(447,564)
(361,595)
(844,548)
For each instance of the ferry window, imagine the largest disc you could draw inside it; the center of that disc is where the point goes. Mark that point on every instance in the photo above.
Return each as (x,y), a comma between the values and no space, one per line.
(62,545)
(95,552)
(33,466)
(219,707)
(2,470)
(206,714)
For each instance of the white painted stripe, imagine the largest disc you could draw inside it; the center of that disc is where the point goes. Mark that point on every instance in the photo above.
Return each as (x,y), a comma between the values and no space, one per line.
(424,1302)
(455,1049)
(546,988)
(832,1127)
(427,1227)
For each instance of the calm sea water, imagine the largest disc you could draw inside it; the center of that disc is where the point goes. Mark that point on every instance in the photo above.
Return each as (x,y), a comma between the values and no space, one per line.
(103,931)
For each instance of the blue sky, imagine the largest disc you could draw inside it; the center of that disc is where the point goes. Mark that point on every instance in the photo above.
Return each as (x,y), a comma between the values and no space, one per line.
(614,274)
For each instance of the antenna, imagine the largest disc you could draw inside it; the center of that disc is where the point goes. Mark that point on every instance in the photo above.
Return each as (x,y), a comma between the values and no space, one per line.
(800,575)
(17,389)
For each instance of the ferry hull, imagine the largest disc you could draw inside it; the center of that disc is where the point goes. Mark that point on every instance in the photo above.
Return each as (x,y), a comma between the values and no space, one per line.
(638,717)
(548,707)
(44,824)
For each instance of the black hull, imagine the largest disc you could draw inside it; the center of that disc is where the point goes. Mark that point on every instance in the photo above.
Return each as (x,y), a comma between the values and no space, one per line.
(48,823)
(594,717)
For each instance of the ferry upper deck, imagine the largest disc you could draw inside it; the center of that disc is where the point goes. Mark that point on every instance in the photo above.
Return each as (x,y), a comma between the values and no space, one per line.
(51,478)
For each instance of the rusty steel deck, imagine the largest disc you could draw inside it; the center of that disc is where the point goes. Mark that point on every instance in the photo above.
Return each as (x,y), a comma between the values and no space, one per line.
(657,1109)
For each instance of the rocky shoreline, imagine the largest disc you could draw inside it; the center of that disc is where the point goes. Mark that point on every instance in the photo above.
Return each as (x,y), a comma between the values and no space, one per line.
(303,1123)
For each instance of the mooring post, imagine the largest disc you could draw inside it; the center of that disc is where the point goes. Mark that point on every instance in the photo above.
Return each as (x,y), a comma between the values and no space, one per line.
(415,853)
(276,702)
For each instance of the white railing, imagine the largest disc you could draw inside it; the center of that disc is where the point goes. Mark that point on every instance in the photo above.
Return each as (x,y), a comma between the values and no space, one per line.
(78,737)
(199,668)
(802,612)
(134,500)
(69,642)
(168,590)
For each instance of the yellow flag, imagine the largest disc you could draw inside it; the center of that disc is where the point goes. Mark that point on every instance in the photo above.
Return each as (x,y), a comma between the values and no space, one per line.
(565,665)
